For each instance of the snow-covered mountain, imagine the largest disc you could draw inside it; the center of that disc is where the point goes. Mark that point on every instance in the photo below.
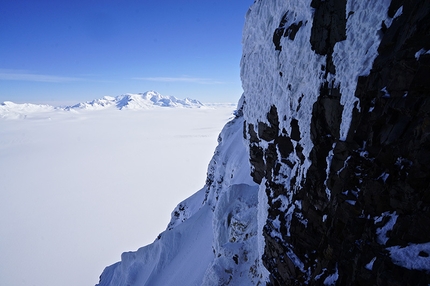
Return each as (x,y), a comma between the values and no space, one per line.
(138,101)
(323,177)
(13,110)
(145,100)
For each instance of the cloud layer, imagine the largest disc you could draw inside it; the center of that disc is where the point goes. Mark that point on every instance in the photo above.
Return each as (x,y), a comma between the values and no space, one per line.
(18,75)
(181,79)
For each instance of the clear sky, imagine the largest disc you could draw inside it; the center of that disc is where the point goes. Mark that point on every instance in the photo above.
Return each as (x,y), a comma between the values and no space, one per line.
(64,52)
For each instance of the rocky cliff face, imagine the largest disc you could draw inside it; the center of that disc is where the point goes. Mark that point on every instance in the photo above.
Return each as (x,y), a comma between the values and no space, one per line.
(323,177)
(337,121)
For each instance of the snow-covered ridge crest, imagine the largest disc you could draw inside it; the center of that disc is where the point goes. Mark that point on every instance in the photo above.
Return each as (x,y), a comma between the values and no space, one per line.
(128,101)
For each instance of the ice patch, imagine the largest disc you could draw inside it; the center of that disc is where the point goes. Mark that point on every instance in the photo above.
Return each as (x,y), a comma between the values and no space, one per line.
(369,266)
(331,279)
(328,162)
(384,176)
(389,21)
(413,256)
(386,93)
(351,202)
(420,53)
(354,56)
(382,231)
(262,212)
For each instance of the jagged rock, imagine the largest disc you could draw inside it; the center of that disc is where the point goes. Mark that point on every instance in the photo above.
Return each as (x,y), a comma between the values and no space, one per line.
(321,226)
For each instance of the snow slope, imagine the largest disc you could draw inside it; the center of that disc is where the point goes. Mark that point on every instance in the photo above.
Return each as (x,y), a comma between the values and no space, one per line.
(209,234)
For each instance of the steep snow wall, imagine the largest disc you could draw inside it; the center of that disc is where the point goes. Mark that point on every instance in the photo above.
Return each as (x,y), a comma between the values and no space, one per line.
(323,177)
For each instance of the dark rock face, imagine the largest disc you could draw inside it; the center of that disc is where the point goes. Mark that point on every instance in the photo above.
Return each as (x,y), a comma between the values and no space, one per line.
(329,27)
(283,31)
(383,166)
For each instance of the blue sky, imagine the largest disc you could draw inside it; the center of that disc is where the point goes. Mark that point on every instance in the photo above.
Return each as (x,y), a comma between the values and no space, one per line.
(63,52)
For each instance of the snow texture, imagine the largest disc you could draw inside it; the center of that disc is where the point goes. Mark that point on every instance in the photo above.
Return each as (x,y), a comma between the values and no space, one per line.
(354,56)
(295,92)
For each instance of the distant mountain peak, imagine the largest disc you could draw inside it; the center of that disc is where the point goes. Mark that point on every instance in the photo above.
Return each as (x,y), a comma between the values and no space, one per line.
(137,101)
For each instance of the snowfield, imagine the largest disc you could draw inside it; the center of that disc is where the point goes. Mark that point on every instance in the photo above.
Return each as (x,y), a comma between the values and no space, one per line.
(79,186)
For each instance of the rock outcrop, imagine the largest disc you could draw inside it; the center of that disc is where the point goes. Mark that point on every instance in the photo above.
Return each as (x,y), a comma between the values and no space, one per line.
(343,148)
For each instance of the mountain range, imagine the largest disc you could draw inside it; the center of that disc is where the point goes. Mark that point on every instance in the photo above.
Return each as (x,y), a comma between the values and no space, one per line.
(129,101)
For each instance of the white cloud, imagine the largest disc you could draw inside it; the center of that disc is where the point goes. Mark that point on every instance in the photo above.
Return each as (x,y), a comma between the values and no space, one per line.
(19,75)
(181,79)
